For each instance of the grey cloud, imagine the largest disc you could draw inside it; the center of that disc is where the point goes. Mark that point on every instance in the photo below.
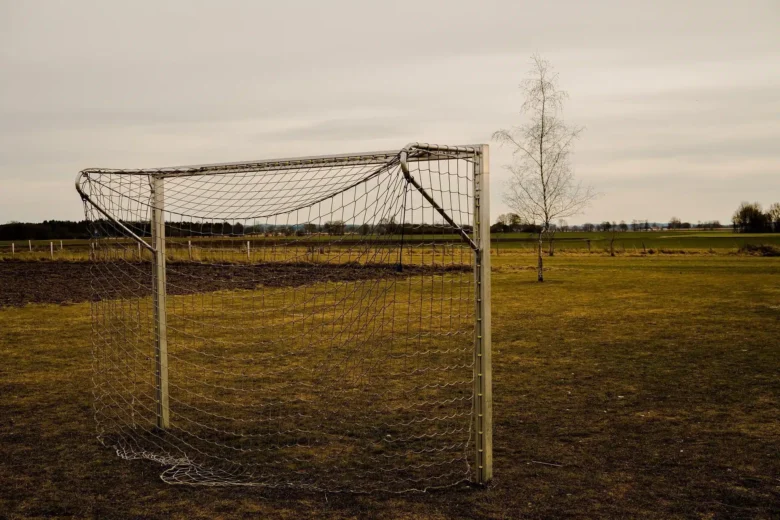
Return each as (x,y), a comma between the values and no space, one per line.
(342,129)
(665,90)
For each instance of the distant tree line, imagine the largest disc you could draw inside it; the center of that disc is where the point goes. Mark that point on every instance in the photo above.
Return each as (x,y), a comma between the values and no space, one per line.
(46,230)
(676,223)
(751,218)
(65,229)
(513,223)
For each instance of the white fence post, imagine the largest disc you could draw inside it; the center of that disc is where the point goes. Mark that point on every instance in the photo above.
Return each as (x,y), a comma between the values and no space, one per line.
(483,371)
(60,245)
(248,252)
(51,250)
(159,301)
(29,244)
(13,249)
(189,248)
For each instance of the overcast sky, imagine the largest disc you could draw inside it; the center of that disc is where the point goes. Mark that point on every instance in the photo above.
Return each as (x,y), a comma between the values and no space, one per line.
(680,100)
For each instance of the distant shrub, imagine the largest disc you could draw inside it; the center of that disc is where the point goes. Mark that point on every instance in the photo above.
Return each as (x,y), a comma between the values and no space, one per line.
(759,250)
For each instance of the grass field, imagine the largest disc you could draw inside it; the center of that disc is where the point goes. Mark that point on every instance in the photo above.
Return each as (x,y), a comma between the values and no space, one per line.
(635,241)
(632,242)
(627,387)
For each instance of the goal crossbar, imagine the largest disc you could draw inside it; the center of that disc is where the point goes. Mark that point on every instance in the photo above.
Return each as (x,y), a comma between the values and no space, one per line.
(415,152)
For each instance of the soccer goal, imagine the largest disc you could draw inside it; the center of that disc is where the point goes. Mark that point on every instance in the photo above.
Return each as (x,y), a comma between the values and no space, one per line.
(318,322)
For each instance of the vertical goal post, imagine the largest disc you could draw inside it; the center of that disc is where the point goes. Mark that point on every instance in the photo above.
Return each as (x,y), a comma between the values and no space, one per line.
(116,201)
(159,289)
(483,364)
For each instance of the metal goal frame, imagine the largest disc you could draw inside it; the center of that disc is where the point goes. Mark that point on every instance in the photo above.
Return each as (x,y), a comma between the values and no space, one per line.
(478,241)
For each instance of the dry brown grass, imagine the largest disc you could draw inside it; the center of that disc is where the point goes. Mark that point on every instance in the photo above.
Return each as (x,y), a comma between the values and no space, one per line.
(625,387)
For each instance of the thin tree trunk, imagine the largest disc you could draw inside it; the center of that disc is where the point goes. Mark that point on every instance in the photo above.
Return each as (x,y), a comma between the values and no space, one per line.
(540,269)
(540,274)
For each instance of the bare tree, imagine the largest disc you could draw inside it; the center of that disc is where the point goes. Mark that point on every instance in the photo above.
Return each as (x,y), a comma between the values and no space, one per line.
(750,218)
(612,235)
(774,216)
(542,186)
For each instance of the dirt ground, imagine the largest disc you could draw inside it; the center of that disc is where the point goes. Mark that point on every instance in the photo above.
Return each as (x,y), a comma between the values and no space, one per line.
(24,282)
(627,387)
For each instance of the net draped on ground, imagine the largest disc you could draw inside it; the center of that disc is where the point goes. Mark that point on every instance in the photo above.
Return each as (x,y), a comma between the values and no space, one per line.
(320,321)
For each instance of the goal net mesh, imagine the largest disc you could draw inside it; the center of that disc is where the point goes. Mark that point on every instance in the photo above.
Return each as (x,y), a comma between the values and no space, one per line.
(320,320)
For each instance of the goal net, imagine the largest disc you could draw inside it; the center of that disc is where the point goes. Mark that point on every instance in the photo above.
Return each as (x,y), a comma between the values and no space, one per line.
(319,323)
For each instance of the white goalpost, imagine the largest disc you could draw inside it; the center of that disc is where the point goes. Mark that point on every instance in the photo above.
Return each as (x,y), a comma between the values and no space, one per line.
(320,322)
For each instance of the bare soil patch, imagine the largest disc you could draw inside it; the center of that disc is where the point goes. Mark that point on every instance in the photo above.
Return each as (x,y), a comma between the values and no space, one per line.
(71,282)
